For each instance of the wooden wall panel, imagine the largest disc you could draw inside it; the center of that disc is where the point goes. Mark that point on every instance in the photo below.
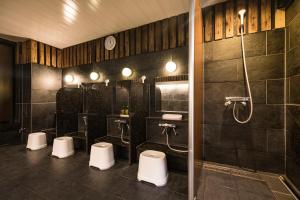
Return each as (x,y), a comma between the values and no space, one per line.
(158,36)
(208,24)
(144,39)
(98,50)
(127,43)
(266,15)
(219,21)
(253,16)
(138,40)
(261,15)
(53,56)
(41,53)
(34,51)
(59,58)
(48,55)
(165,34)
(102,49)
(74,55)
(117,46)
(151,37)
(180,30)
(173,32)
(121,47)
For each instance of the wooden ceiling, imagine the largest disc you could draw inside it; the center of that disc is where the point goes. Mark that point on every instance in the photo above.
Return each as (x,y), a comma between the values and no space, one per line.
(63,23)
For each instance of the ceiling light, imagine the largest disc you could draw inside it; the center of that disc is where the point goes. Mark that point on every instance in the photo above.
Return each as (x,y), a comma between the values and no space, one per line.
(69,78)
(94,76)
(171,66)
(126,72)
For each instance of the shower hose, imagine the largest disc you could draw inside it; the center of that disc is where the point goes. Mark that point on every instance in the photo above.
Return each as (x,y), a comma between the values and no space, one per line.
(165,131)
(122,135)
(248,85)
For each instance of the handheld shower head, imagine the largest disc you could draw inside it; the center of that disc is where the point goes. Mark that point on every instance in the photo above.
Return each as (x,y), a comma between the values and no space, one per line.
(242,15)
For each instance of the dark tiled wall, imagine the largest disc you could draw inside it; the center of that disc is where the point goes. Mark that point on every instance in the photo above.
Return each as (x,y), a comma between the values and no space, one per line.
(293,93)
(36,87)
(258,145)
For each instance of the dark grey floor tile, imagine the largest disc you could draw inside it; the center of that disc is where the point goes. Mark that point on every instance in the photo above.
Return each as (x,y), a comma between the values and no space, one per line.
(213,179)
(244,195)
(280,196)
(220,193)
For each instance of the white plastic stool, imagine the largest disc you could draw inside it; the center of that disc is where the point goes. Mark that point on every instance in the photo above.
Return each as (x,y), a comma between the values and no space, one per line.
(102,156)
(36,141)
(63,147)
(153,168)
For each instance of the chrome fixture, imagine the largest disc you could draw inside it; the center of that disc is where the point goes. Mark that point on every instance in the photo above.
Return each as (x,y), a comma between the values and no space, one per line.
(166,129)
(242,100)
(122,123)
(143,78)
(106,82)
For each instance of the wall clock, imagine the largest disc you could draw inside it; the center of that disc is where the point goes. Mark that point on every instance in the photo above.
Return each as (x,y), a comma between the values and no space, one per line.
(110,42)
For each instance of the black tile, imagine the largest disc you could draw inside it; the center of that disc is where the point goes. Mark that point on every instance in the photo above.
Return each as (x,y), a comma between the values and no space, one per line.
(263,67)
(275,91)
(221,71)
(276,140)
(255,44)
(292,11)
(293,62)
(295,90)
(294,32)
(275,41)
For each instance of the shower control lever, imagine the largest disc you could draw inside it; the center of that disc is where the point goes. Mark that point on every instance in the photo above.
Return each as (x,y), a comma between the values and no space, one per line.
(121,121)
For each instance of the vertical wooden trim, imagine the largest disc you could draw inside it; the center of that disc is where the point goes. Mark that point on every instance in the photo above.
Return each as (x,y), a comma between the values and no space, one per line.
(180,30)
(78,51)
(28,51)
(89,51)
(82,54)
(98,50)
(132,41)
(241,4)
(59,58)
(165,34)
(158,36)
(266,15)
(229,23)
(102,49)
(71,57)
(112,54)
(219,21)
(24,53)
(85,53)
(138,40)
(17,54)
(186,25)
(53,56)
(279,18)
(75,56)
(173,32)
(117,46)
(208,13)
(48,55)
(34,52)
(151,37)
(127,43)
(145,39)
(253,16)
(121,47)
(41,53)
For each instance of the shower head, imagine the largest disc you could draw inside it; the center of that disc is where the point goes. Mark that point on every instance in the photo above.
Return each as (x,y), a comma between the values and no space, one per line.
(242,15)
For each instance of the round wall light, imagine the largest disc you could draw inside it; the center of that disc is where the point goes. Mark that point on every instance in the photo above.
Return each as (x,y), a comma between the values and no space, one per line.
(126,72)
(171,66)
(69,78)
(94,76)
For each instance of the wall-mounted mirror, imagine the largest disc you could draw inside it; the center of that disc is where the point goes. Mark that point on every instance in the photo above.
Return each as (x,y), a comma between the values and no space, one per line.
(171,96)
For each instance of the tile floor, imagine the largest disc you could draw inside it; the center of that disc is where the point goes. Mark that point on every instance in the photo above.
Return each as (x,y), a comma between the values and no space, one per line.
(34,175)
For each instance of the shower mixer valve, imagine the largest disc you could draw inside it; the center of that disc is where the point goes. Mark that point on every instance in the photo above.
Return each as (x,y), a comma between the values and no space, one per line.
(242,100)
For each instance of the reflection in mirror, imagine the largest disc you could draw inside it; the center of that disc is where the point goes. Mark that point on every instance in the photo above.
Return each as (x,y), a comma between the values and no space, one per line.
(171,96)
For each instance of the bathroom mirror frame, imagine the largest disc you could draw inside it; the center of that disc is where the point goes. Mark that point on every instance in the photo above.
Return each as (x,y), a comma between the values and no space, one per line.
(170,80)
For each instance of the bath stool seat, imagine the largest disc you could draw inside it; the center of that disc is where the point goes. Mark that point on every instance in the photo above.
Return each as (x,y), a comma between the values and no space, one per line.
(36,141)
(102,156)
(63,147)
(153,168)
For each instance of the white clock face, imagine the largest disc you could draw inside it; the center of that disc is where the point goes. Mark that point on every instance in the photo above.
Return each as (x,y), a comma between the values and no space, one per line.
(110,42)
